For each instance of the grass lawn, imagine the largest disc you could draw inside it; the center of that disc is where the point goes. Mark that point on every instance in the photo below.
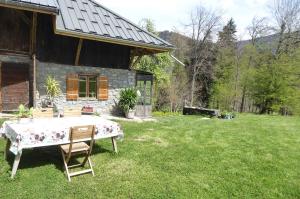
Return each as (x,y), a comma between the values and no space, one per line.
(176,157)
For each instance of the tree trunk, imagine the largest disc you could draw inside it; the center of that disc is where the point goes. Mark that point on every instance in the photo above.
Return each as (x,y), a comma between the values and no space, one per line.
(193,86)
(243,100)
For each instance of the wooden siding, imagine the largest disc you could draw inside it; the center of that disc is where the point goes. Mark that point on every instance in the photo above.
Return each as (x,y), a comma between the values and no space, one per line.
(51,47)
(14,86)
(14,30)
(62,49)
(104,55)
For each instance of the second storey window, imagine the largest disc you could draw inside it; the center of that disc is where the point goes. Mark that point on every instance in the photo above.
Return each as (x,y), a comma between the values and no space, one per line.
(87,86)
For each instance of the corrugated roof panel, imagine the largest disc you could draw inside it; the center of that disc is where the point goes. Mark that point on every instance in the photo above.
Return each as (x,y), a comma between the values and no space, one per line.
(77,11)
(124,29)
(74,19)
(139,38)
(83,25)
(117,26)
(89,12)
(107,30)
(105,23)
(89,23)
(65,17)
(108,23)
(88,17)
(101,26)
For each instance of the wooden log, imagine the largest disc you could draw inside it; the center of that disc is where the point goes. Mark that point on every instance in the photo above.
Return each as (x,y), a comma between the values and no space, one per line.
(201,111)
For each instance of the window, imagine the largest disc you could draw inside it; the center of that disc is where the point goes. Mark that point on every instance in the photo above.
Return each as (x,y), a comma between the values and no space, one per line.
(87,86)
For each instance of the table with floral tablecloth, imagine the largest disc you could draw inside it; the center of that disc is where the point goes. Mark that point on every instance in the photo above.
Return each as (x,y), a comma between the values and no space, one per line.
(40,132)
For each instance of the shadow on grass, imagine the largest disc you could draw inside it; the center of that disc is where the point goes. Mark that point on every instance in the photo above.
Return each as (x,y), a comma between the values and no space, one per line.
(42,156)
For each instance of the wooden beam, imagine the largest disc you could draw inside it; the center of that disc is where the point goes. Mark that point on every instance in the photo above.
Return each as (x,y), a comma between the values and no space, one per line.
(136,61)
(34,80)
(33,33)
(1,87)
(78,52)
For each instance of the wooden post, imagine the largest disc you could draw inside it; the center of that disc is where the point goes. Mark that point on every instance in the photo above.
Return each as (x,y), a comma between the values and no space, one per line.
(1,87)
(33,33)
(78,52)
(34,79)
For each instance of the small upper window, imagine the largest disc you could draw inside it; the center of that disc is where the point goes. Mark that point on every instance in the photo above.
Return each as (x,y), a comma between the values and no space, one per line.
(87,86)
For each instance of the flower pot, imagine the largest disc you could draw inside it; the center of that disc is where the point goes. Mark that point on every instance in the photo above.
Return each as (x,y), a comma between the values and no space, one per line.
(130,114)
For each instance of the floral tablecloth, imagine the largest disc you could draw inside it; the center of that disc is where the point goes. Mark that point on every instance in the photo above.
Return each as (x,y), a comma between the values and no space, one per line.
(30,133)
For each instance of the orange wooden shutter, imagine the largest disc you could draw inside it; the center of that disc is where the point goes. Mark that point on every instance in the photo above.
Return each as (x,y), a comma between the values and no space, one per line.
(72,87)
(102,88)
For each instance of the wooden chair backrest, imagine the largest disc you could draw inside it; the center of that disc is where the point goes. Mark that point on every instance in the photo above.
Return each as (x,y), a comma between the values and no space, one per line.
(72,112)
(78,133)
(82,132)
(42,113)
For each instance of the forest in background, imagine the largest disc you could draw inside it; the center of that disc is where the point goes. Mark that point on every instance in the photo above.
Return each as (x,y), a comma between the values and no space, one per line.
(213,68)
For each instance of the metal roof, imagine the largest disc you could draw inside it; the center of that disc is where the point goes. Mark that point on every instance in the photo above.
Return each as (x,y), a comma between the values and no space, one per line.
(86,17)
(38,5)
(89,20)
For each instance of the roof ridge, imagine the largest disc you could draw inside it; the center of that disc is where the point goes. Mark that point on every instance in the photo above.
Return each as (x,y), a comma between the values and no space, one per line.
(133,24)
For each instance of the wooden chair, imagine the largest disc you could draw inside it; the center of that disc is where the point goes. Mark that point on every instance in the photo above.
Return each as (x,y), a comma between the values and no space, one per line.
(72,111)
(76,147)
(42,113)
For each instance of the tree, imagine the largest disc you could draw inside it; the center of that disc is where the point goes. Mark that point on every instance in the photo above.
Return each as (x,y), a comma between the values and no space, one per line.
(251,56)
(226,69)
(159,65)
(203,23)
(287,17)
(227,37)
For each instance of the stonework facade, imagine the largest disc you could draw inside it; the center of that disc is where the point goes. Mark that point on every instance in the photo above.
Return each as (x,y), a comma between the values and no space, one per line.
(117,79)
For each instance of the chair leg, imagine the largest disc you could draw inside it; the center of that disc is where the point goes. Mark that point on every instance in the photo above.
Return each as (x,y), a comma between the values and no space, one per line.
(8,143)
(66,165)
(90,163)
(85,159)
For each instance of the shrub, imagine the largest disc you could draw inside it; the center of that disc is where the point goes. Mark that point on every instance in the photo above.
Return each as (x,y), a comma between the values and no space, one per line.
(128,99)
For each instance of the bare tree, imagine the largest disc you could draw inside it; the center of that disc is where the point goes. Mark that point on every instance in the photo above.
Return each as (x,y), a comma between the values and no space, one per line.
(258,28)
(287,16)
(203,23)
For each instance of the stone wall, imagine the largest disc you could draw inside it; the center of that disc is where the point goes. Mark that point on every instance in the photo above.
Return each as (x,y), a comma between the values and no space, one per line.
(117,79)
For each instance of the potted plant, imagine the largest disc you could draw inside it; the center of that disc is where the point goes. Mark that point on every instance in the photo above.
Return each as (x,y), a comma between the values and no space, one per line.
(24,112)
(53,89)
(128,100)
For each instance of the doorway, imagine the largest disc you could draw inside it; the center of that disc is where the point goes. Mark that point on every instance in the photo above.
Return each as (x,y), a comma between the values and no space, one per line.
(144,84)
(15,86)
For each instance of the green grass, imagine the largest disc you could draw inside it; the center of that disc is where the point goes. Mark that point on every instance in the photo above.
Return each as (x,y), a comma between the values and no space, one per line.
(176,157)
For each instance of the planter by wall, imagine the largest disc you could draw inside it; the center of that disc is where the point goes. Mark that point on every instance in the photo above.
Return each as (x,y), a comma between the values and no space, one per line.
(130,114)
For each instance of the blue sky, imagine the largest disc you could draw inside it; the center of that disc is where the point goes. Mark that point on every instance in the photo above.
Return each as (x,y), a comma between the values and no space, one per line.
(173,14)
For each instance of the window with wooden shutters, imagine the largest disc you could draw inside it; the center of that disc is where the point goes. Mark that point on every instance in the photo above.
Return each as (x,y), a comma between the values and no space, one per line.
(88,86)
(102,88)
(72,87)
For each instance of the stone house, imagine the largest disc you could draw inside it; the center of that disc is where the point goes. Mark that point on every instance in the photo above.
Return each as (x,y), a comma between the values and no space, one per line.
(88,48)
